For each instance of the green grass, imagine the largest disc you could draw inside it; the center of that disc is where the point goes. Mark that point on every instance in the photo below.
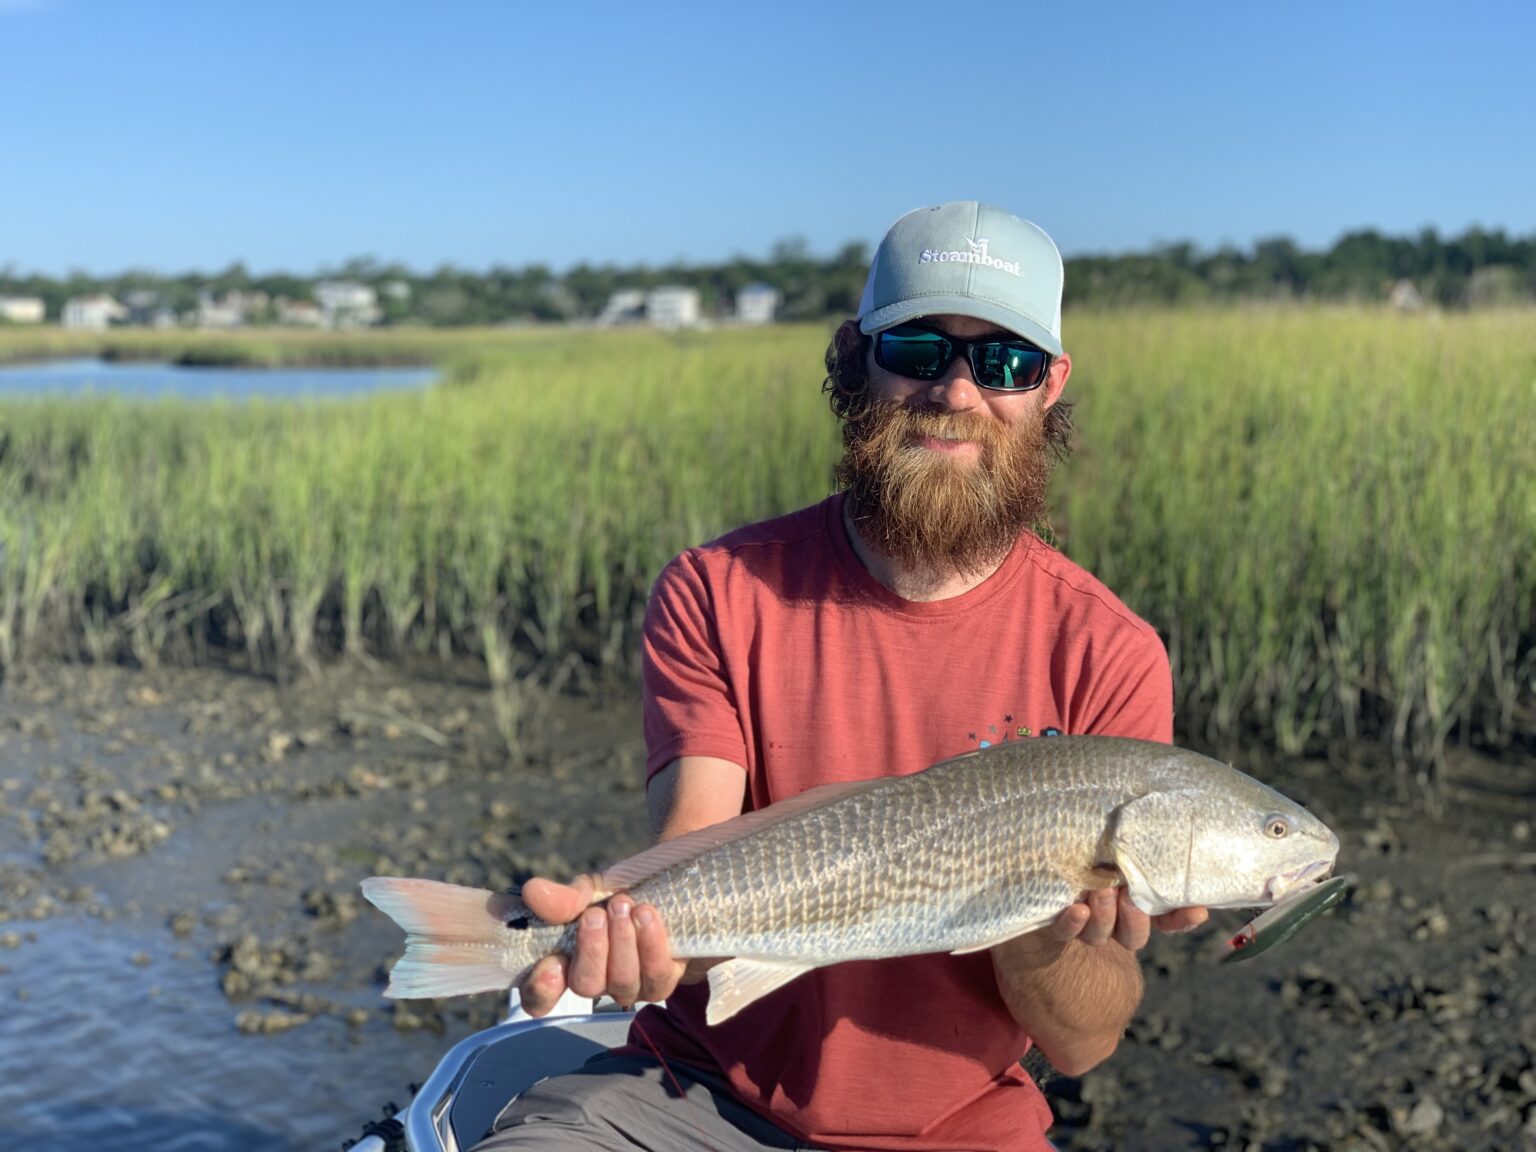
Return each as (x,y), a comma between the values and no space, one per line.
(1330,515)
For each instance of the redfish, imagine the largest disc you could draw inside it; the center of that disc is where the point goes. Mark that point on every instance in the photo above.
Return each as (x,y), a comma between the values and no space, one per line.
(957,858)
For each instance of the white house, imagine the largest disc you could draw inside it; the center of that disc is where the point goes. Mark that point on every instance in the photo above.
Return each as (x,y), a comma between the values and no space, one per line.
(230,310)
(757,304)
(21,309)
(1405,297)
(93,312)
(348,304)
(672,307)
(299,313)
(624,307)
(148,309)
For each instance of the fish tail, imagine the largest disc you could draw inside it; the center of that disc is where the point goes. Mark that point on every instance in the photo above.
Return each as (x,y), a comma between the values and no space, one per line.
(457,938)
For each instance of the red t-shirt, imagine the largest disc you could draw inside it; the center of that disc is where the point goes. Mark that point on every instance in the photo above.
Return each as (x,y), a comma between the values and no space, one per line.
(774,648)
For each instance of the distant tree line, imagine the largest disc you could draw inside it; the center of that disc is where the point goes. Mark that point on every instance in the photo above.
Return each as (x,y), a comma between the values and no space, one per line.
(1477,269)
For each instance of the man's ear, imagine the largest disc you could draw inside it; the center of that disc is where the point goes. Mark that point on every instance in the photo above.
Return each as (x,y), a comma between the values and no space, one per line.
(1051,390)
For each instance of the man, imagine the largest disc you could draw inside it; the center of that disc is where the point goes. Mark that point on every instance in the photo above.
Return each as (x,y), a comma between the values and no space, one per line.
(909,618)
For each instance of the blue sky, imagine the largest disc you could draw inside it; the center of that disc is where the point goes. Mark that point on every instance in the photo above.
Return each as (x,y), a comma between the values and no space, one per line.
(293,134)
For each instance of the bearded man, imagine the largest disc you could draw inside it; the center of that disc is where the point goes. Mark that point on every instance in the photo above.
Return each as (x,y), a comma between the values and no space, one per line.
(910,617)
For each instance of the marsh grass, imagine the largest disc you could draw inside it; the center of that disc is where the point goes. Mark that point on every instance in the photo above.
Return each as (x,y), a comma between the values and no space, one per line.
(1329,515)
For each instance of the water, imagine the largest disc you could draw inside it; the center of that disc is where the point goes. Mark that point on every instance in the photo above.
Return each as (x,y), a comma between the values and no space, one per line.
(91,376)
(100,1049)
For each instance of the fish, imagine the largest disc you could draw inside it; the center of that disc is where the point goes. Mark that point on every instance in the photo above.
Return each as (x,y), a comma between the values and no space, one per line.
(957,858)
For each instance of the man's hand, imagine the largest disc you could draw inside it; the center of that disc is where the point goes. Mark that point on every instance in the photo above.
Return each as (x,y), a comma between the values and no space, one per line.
(1107,914)
(622,949)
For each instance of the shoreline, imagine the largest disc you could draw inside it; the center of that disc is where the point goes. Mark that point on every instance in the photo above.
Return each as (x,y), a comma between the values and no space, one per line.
(216,358)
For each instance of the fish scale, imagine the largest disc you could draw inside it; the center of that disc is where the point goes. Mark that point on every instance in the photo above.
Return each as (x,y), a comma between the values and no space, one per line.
(965,854)
(949,841)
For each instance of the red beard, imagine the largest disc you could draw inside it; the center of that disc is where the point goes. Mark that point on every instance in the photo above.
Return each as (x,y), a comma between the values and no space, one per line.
(933,513)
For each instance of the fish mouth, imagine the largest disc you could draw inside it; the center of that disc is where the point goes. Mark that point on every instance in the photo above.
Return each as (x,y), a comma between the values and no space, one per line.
(1287,883)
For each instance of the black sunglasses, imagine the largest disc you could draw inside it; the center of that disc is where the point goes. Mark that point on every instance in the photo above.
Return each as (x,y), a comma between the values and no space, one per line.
(918,353)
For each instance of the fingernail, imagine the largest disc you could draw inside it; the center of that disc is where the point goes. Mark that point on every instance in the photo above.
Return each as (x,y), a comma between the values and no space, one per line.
(594,919)
(643,917)
(620,909)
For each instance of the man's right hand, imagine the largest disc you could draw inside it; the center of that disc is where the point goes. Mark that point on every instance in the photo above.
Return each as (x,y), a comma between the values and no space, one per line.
(622,948)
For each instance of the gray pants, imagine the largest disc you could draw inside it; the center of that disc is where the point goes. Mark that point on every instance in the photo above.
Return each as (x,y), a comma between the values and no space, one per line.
(625,1103)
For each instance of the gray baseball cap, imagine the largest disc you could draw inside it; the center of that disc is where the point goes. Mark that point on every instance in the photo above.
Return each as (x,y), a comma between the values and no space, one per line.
(966,259)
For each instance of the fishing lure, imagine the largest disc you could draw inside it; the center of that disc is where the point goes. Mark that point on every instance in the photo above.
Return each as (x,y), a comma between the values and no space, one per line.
(1279,923)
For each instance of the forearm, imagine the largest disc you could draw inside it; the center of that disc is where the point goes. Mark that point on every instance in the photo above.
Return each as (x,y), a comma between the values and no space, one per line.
(1075,1000)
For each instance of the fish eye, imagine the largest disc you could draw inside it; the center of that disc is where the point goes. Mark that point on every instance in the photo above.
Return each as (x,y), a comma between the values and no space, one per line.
(1277,827)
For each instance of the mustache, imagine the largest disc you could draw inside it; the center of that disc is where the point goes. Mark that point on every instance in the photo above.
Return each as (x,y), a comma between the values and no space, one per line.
(915,423)
(927,511)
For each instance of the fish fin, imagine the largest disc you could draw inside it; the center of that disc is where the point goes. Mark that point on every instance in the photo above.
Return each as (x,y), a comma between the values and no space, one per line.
(1101,876)
(628,873)
(443,911)
(739,982)
(455,936)
(1089,879)
(432,968)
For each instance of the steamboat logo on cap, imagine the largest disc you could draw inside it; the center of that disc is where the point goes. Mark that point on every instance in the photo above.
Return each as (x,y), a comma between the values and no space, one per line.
(976,254)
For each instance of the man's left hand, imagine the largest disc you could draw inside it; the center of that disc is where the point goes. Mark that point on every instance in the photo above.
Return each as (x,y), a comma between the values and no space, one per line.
(1076,1001)
(1106,914)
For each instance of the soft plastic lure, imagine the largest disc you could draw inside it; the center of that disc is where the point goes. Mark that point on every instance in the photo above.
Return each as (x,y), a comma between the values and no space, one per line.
(1279,923)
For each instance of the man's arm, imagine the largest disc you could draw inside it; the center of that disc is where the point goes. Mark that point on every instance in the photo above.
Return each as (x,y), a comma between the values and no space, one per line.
(1074,984)
(694,792)
(622,950)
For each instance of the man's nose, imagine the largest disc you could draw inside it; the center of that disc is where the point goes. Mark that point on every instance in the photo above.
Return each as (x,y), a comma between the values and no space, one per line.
(957,389)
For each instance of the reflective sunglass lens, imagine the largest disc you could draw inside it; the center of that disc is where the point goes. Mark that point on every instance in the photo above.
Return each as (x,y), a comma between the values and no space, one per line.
(1009,366)
(909,352)
(920,354)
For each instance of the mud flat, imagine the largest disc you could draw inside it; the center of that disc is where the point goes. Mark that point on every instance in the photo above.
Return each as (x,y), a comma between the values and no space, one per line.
(182,946)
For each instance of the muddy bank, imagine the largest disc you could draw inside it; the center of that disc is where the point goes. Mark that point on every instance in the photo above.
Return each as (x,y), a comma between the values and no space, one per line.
(207,831)
(180,852)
